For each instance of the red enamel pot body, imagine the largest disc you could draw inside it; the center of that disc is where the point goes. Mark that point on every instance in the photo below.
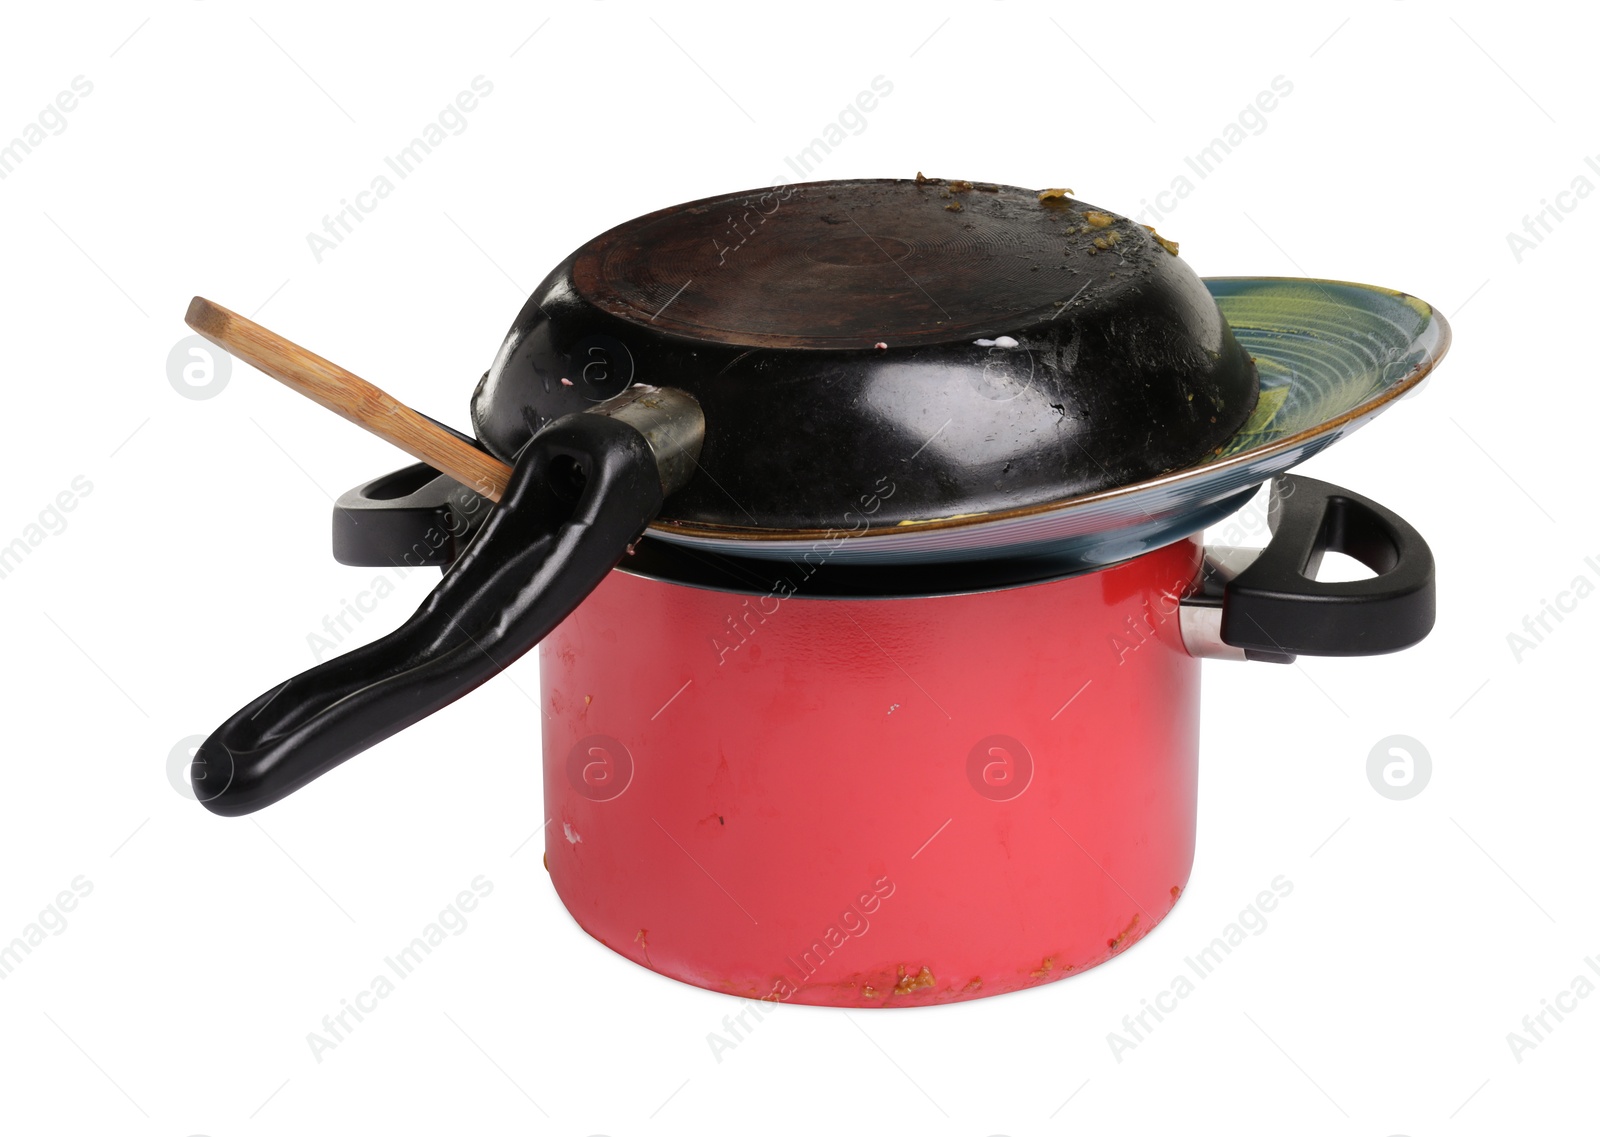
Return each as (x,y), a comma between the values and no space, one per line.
(873,802)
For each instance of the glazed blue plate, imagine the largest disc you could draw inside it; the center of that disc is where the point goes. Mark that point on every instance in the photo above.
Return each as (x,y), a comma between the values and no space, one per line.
(1331,356)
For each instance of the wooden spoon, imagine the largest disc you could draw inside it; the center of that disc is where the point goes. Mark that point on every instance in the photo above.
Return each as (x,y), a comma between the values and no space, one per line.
(349,396)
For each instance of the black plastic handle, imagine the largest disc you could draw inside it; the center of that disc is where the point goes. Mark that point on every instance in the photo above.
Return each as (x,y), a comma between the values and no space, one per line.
(1276,609)
(412,517)
(582,490)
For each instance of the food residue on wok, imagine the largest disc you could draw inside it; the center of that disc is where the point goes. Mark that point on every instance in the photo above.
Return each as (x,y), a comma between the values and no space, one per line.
(1170,246)
(1057,198)
(958,185)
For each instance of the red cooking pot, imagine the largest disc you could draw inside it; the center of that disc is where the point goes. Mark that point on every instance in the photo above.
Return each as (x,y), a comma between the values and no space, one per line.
(885,786)
(871,631)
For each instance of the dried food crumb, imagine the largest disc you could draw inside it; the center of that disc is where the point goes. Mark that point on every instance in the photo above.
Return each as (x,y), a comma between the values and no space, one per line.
(1098,219)
(922,181)
(1123,935)
(954,207)
(565,382)
(881,346)
(960,186)
(909,983)
(998,341)
(1170,246)
(1053,194)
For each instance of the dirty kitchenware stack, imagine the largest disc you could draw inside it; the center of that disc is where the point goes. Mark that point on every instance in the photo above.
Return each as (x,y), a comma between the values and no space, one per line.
(858,522)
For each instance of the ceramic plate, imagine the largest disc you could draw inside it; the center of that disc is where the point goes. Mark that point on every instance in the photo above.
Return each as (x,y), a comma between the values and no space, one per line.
(1331,355)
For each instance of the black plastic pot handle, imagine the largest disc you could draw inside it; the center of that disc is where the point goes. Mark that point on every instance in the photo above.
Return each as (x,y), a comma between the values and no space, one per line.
(410,518)
(582,490)
(1277,609)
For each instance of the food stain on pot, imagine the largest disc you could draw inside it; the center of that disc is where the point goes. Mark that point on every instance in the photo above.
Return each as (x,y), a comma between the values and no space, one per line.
(1121,939)
(911,983)
(713,820)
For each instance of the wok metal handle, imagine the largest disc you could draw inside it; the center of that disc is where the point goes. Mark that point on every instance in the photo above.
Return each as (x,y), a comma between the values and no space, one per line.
(1267,604)
(582,490)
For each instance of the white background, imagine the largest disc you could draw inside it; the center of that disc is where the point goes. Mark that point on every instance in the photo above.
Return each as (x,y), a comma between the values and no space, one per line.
(179,995)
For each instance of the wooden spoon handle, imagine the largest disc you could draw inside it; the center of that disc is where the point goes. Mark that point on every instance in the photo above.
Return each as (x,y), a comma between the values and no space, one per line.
(349,396)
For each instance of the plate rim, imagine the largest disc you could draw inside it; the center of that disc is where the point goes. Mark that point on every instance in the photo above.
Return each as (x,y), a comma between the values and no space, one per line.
(1437,324)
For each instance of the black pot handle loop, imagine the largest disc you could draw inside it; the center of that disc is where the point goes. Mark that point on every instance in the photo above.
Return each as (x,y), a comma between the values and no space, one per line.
(1275,608)
(413,517)
(582,490)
